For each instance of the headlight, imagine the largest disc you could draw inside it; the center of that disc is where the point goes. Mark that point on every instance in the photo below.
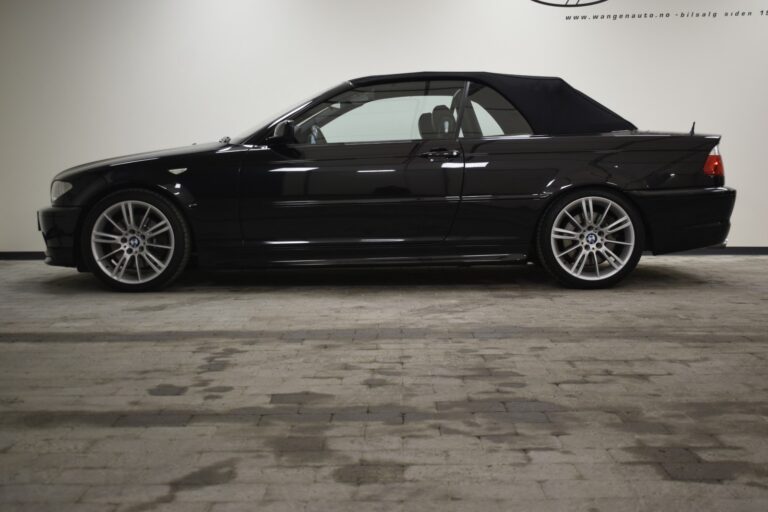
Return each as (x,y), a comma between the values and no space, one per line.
(59,188)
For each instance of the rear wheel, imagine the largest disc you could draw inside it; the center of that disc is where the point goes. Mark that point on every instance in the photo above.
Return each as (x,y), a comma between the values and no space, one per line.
(590,239)
(135,240)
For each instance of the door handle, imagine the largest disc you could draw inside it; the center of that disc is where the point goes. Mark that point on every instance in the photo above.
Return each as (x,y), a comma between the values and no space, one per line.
(440,153)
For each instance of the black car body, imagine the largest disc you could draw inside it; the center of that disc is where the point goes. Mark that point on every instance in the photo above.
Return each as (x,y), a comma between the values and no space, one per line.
(337,181)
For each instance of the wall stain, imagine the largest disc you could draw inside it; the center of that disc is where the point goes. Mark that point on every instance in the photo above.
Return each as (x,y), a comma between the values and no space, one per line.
(219,361)
(219,389)
(167,390)
(370,472)
(208,476)
(300,398)
(376,383)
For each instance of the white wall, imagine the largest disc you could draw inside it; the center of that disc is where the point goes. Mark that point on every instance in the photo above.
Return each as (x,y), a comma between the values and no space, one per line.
(86,79)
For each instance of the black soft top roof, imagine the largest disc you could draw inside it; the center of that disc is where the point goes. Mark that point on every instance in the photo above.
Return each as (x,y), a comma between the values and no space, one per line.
(550,105)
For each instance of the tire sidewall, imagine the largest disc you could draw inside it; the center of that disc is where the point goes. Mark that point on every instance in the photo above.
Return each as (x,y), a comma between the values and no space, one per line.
(544,245)
(180,232)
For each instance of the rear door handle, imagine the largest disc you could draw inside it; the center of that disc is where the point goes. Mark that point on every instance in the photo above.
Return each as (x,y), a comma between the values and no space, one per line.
(440,153)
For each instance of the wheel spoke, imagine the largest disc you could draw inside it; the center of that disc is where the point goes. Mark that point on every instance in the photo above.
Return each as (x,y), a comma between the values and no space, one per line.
(597,264)
(110,254)
(117,226)
(578,265)
(564,234)
(613,254)
(158,229)
(143,220)
(589,210)
(150,263)
(101,237)
(573,219)
(618,225)
(605,215)
(138,269)
(614,260)
(121,265)
(567,251)
(130,212)
(607,241)
(127,212)
(159,246)
(157,267)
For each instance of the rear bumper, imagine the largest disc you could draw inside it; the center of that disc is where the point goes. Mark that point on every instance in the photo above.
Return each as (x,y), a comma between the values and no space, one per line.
(59,227)
(680,220)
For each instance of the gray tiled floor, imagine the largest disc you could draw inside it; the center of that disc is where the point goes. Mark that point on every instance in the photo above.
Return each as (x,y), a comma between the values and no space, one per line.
(393,390)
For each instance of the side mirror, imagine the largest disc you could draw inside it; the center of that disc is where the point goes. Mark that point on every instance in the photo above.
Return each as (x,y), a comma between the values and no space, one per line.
(283,133)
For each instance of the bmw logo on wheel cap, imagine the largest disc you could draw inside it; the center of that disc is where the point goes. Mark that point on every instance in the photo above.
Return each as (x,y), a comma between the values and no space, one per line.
(569,3)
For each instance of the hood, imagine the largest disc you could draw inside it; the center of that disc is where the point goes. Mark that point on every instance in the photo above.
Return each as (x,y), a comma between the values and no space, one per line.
(141,157)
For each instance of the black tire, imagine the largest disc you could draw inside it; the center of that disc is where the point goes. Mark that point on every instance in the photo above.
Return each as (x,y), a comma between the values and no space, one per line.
(177,260)
(549,261)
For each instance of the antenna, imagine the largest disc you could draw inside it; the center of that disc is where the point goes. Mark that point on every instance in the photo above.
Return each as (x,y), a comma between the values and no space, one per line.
(693,128)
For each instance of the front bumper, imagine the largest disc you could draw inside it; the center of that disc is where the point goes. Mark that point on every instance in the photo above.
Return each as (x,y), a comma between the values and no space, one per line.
(681,220)
(58,225)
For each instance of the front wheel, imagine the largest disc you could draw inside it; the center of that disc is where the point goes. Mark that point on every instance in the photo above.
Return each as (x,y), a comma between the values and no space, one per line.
(135,240)
(590,239)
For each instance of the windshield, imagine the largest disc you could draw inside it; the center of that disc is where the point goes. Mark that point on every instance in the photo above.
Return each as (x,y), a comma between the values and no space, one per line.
(242,137)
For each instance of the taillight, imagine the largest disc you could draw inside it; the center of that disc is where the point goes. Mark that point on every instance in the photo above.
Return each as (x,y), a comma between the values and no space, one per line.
(714,164)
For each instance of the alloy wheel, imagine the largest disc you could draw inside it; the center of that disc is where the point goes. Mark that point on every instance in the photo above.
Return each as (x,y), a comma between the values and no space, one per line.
(592,238)
(132,242)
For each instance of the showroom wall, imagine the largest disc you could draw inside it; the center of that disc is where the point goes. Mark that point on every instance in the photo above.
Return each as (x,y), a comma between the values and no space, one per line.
(86,79)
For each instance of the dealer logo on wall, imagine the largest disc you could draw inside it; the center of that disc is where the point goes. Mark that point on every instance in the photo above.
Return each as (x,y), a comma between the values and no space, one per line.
(569,3)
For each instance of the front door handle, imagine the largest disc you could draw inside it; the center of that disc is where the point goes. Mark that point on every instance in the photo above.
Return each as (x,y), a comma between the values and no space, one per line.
(440,153)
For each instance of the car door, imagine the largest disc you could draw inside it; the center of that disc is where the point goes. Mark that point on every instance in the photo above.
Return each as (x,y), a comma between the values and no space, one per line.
(507,167)
(378,165)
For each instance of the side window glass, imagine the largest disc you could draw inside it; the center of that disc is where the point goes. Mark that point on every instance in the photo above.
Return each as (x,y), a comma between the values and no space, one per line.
(386,112)
(488,125)
(489,114)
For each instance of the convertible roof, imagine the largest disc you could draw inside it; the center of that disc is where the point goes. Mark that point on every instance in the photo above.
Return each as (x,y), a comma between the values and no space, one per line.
(550,105)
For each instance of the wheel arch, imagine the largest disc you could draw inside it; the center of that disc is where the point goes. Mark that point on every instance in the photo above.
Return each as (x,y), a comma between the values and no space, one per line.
(117,187)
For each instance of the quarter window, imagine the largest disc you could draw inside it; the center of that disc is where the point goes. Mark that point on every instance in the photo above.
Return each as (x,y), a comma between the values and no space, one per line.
(385,112)
(489,114)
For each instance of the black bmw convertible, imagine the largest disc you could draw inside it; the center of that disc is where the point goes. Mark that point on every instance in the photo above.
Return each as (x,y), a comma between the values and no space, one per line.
(424,168)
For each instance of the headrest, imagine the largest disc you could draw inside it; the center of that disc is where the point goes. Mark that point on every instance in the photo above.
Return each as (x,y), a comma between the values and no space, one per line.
(443,121)
(426,129)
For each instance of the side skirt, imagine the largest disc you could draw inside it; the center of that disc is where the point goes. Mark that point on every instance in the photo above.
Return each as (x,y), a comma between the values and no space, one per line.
(467,259)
